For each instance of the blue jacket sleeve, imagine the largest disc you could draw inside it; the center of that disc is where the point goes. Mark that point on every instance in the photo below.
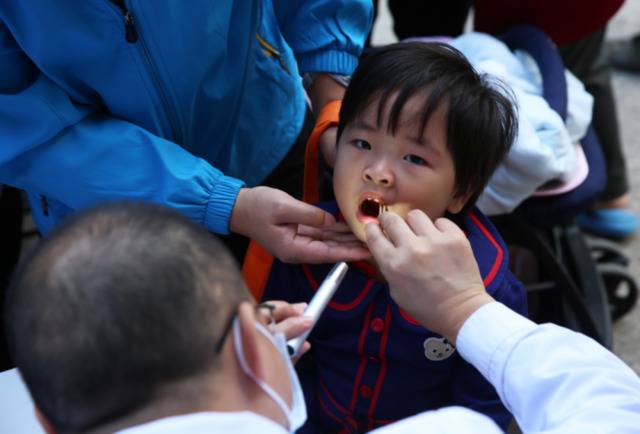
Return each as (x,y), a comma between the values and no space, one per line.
(326,36)
(56,147)
(470,388)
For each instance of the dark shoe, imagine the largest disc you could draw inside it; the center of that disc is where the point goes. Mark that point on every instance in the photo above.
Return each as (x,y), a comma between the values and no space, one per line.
(625,54)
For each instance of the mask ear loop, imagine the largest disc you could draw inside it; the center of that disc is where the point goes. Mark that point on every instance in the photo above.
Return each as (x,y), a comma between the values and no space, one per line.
(245,368)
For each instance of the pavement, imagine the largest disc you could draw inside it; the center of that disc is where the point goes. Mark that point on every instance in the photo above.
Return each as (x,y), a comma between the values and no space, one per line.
(627,91)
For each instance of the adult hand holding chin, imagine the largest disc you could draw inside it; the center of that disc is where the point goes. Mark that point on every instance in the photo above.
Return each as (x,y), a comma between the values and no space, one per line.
(292,230)
(431,270)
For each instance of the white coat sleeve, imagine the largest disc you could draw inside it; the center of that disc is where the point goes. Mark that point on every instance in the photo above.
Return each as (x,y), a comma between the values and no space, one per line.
(553,380)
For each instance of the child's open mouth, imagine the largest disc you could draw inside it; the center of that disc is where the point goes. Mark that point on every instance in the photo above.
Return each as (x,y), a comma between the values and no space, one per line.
(371,208)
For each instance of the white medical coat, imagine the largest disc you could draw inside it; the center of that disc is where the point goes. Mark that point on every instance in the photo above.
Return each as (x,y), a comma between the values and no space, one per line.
(552,379)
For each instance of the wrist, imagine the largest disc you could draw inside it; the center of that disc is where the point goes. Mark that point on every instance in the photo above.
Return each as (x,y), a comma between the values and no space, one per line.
(239,212)
(219,208)
(323,90)
(459,309)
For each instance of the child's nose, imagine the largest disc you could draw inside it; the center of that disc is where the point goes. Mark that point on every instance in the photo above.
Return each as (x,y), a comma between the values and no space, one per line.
(379,175)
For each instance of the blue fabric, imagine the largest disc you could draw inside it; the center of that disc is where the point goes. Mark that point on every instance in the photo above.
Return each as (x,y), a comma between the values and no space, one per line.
(208,99)
(560,209)
(563,208)
(363,343)
(612,223)
(542,49)
(543,149)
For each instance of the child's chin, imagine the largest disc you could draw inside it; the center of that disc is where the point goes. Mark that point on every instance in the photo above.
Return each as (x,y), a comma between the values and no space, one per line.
(359,232)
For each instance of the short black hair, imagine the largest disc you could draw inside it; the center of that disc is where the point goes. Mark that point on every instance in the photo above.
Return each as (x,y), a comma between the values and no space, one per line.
(480,115)
(120,301)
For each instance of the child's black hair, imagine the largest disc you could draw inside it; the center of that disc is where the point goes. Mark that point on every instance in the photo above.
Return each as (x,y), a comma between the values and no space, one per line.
(481,118)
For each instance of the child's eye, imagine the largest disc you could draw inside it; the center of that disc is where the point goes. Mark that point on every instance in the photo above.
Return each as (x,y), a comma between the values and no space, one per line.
(414,159)
(361,144)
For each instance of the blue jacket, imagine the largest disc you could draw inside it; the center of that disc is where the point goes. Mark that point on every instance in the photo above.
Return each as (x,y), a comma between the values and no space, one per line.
(371,363)
(174,102)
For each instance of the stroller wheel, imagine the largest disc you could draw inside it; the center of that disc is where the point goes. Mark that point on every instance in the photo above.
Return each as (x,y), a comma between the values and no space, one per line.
(606,252)
(622,289)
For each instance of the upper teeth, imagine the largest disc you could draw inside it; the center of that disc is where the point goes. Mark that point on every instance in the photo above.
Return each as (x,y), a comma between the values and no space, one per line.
(379,205)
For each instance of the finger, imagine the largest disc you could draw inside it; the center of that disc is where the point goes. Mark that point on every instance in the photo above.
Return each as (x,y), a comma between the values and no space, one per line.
(397,230)
(305,250)
(342,238)
(447,226)
(351,243)
(298,212)
(283,310)
(420,223)
(303,349)
(294,326)
(376,241)
(327,253)
(340,227)
(338,234)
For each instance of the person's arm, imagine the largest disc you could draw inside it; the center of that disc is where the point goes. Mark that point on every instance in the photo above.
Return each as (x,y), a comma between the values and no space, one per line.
(469,387)
(326,38)
(67,151)
(552,379)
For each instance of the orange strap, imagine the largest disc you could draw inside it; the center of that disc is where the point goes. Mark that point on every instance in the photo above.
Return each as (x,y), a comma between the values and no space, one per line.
(258,260)
(256,268)
(328,117)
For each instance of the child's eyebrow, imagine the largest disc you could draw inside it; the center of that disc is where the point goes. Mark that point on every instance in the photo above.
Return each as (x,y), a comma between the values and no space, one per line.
(424,142)
(420,140)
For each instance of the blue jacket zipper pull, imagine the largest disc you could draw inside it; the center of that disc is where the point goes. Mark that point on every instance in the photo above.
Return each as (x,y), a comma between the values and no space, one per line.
(130,32)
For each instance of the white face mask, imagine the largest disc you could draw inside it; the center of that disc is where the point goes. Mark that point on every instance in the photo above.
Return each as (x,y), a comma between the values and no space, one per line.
(297,415)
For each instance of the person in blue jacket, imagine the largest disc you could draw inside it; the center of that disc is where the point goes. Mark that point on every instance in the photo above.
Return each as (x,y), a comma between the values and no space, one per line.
(418,129)
(187,105)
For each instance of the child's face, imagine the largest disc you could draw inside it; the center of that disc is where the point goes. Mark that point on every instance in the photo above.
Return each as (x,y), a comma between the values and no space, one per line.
(399,172)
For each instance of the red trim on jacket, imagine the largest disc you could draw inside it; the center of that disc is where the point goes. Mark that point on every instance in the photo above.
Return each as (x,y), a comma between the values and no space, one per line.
(363,359)
(499,254)
(343,307)
(331,398)
(383,367)
(331,415)
(408,318)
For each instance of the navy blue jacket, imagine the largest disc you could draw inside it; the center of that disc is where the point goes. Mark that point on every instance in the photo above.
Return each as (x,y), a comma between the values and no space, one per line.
(371,363)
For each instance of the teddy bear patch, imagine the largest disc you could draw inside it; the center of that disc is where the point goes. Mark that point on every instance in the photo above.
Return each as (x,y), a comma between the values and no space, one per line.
(437,349)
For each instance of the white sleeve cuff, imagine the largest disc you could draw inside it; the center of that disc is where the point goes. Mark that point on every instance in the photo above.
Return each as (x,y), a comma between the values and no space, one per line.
(487,338)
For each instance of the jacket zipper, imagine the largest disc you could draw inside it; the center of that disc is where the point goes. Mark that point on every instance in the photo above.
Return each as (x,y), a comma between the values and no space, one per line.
(130,32)
(268,50)
(132,36)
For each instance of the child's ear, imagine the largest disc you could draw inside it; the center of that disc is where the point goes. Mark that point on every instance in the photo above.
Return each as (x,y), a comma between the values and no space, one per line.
(458,202)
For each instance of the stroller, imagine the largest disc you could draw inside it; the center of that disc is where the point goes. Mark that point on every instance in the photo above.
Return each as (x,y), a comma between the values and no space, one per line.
(578,282)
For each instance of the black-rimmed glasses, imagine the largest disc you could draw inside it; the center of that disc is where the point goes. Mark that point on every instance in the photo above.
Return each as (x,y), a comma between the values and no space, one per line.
(264,312)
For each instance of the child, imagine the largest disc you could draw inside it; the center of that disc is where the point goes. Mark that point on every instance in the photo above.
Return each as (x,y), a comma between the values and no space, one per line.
(419,128)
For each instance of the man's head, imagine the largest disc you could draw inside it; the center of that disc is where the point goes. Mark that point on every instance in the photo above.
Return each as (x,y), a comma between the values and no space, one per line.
(419,128)
(120,313)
